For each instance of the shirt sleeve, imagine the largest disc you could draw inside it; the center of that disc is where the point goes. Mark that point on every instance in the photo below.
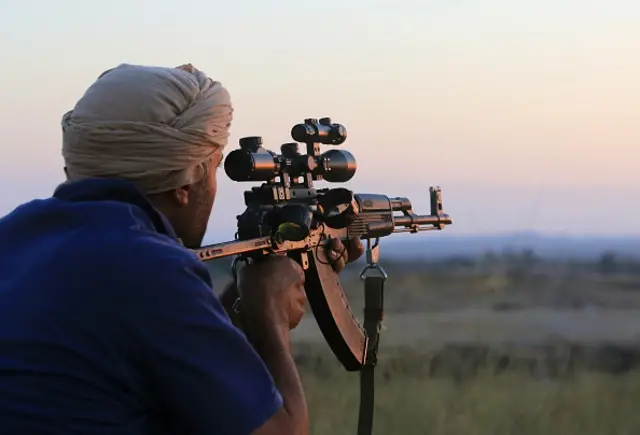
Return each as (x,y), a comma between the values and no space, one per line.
(201,368)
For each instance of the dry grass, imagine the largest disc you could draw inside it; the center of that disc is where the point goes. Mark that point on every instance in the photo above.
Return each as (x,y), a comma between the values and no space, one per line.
(512,403)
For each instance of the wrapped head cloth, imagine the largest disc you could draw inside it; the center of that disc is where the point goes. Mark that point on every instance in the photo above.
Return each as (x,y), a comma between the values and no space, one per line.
(155,127)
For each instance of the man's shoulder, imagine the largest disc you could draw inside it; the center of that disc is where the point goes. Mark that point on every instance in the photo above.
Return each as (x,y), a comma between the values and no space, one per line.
(113,240)
(148,255)
(161,256)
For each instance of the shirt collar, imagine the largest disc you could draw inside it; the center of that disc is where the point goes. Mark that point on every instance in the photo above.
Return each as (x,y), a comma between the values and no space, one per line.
(101,189)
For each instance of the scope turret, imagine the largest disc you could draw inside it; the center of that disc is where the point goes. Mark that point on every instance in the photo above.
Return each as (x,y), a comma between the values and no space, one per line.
(319,131)
(251,144)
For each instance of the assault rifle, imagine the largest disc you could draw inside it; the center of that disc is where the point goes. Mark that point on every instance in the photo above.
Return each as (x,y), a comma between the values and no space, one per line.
(287,214)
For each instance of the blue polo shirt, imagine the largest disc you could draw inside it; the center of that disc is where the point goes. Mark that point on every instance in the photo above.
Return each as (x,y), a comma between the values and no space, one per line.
(109,326)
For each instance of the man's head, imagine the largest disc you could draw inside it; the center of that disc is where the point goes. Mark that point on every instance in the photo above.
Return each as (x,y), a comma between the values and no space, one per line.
(163,129)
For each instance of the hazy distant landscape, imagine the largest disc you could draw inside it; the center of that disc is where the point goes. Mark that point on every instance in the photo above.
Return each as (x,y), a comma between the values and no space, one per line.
(549,246)
(520,334)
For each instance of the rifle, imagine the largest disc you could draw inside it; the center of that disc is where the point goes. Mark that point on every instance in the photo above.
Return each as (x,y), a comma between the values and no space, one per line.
(286,214)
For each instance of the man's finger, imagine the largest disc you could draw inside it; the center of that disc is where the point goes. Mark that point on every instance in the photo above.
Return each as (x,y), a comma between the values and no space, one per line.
(355,249)
(335,249)
(339,264)
(338,251)
(337,254)
(335,244)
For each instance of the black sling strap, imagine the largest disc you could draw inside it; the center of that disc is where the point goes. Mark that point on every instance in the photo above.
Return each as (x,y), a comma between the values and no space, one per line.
(374,277)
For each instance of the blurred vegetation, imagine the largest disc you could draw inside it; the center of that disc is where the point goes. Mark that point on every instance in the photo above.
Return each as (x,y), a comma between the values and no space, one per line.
(479,384)
(508,280)
(489,404)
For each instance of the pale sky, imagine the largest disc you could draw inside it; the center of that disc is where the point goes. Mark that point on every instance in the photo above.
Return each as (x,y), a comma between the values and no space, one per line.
(526,113)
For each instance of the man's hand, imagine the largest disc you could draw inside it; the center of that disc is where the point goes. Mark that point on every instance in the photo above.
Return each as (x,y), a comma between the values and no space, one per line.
(341,255)
(338,254)
(272,292)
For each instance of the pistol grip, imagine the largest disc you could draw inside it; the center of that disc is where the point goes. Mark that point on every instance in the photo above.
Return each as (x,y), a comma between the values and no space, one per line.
(341,329)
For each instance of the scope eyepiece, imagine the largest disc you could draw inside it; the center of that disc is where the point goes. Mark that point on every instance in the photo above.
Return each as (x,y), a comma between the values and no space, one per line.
(251,163)
(322,131)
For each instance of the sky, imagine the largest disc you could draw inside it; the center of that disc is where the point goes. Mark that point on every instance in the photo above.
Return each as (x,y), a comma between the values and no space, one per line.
(525,113)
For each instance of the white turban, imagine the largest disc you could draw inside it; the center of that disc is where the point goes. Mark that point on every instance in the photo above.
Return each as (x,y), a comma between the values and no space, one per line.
(156,127)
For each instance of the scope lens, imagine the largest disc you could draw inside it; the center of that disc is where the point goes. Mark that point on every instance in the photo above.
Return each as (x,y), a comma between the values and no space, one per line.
(337,166)
(238,165)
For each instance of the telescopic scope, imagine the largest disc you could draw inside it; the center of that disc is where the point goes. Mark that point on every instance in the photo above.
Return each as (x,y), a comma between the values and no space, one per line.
(252,162)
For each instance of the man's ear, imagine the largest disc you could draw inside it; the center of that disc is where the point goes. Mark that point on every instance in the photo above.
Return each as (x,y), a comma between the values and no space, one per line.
(181,195)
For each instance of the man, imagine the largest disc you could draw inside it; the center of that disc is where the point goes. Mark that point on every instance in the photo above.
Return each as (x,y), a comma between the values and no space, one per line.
(108,323)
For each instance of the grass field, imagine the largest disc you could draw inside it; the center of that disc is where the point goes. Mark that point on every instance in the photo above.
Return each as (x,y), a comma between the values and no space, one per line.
(508,404)
(524,394)
(499,345)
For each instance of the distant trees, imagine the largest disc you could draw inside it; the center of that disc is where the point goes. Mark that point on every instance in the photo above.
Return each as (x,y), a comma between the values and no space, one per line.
(611,263)
(607,263)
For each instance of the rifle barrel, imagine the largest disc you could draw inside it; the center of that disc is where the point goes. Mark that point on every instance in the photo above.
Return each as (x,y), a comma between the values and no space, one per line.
(412,220)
